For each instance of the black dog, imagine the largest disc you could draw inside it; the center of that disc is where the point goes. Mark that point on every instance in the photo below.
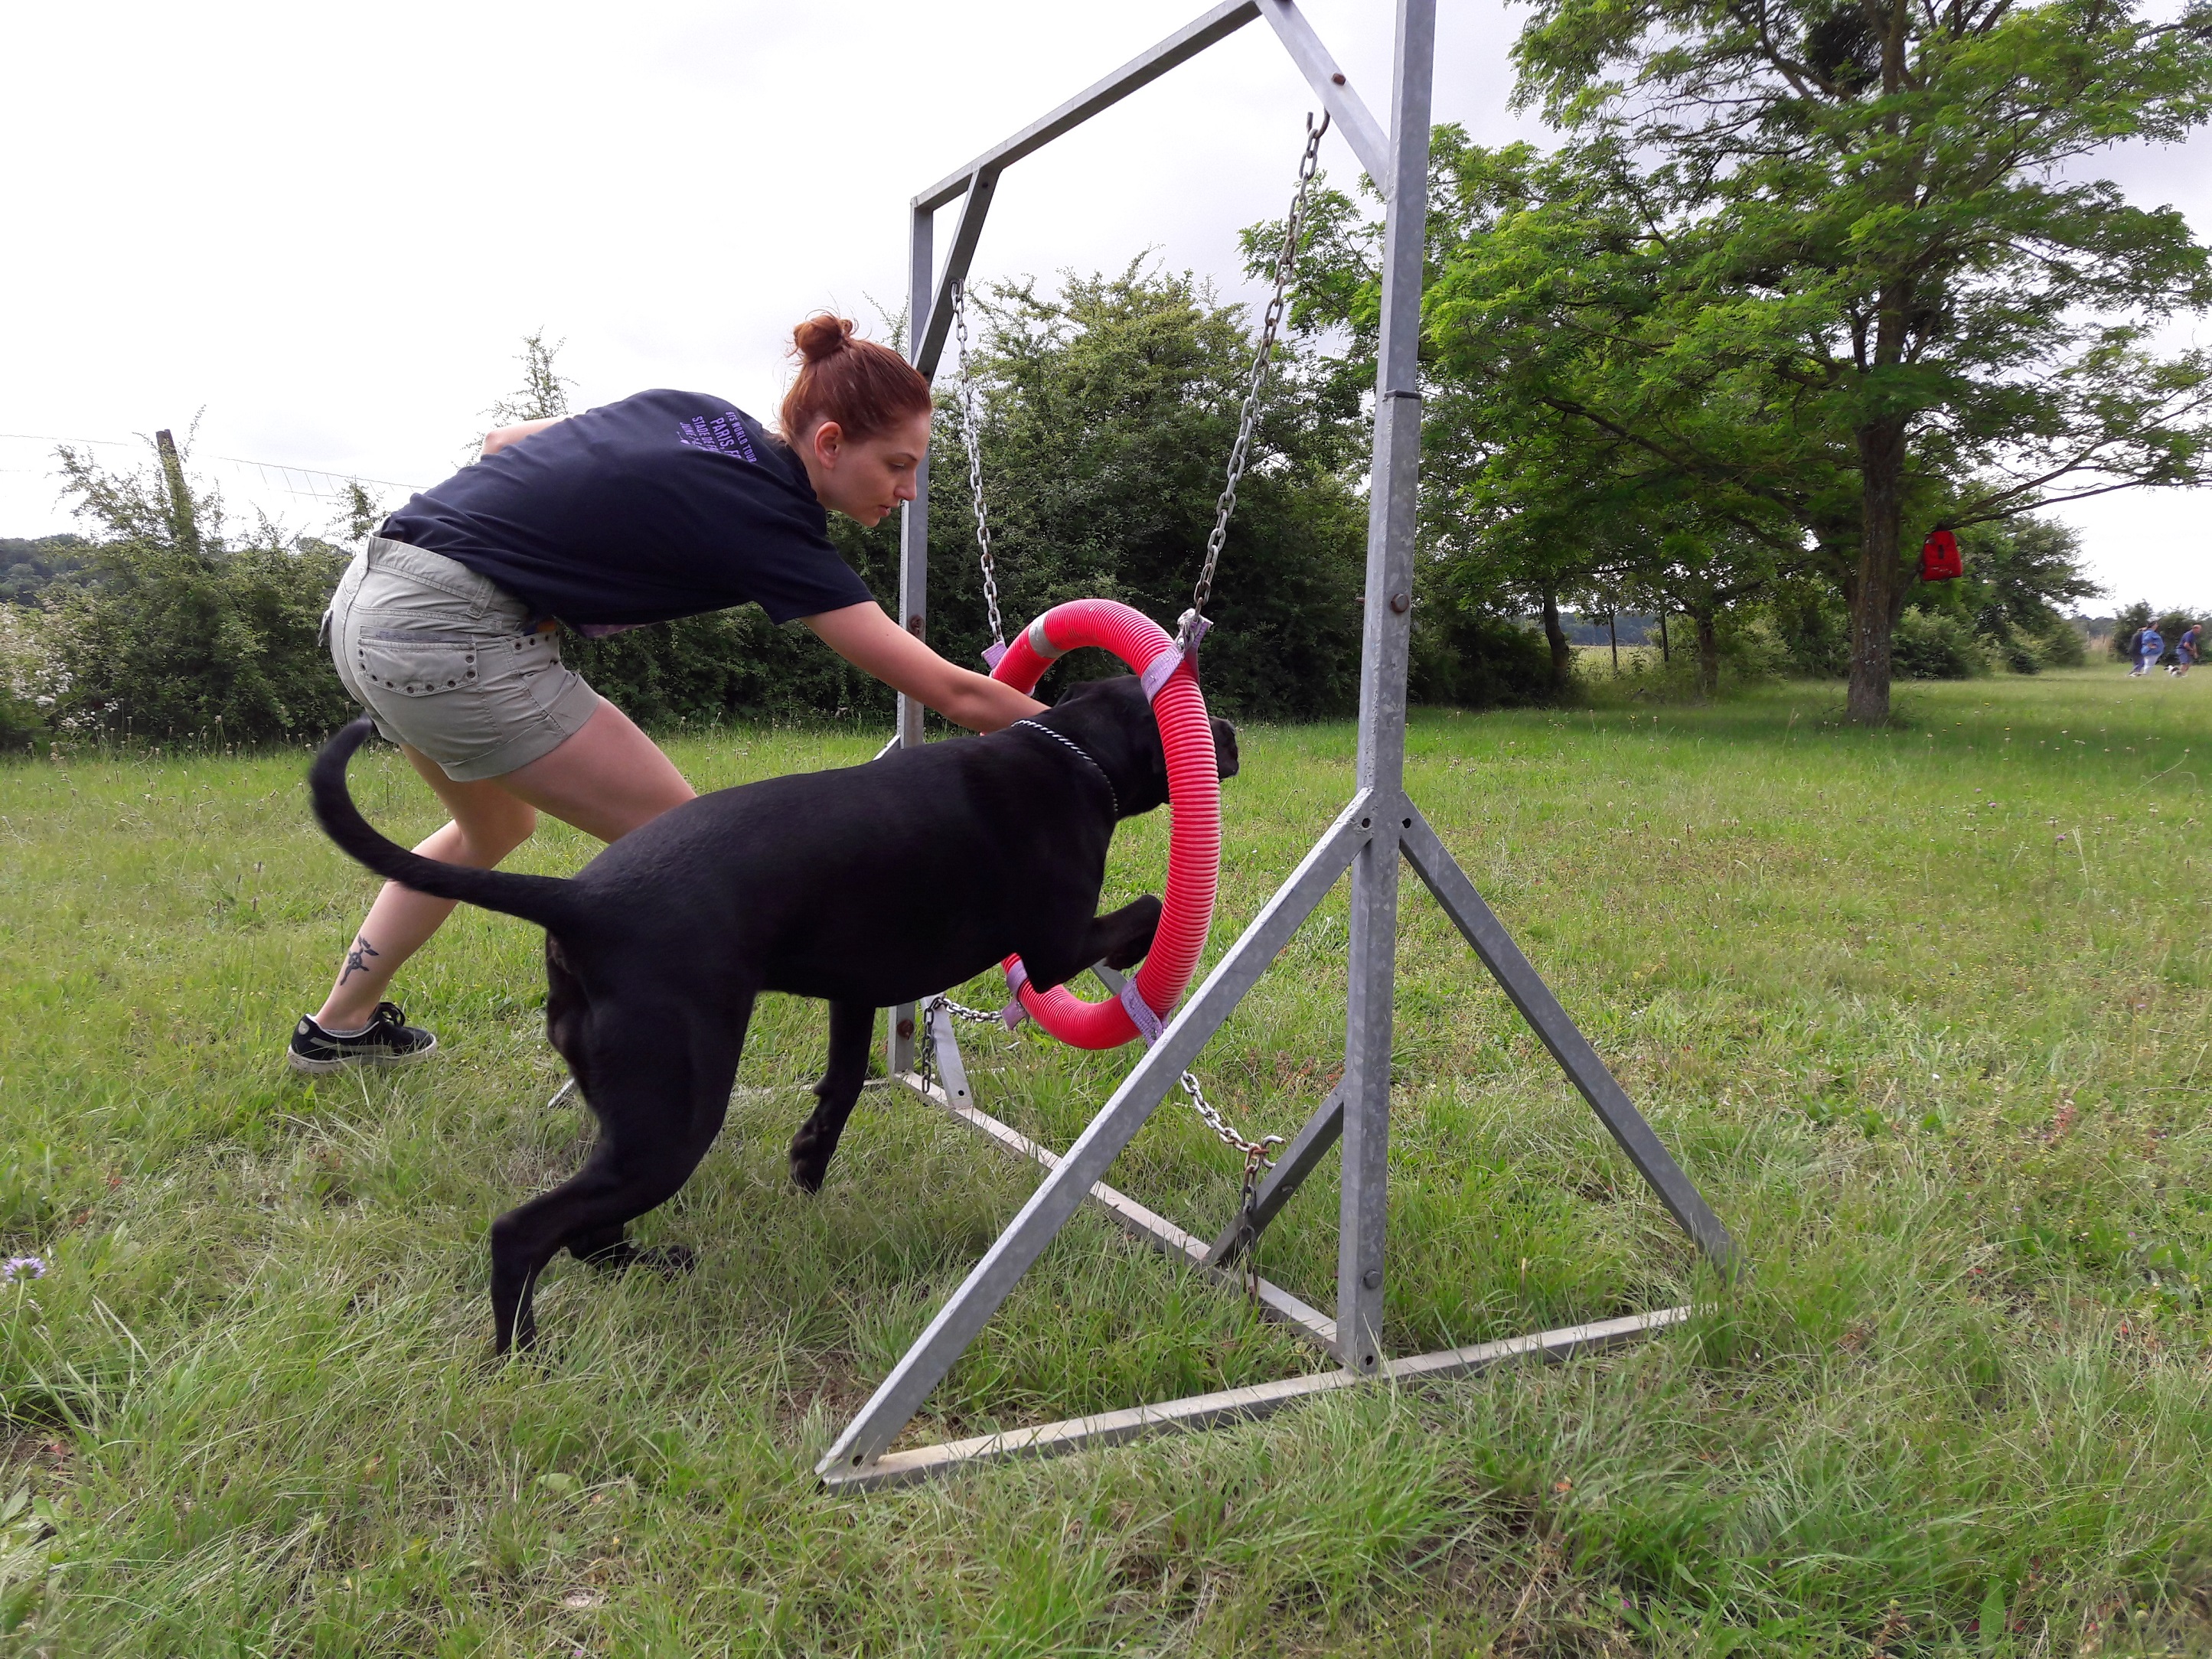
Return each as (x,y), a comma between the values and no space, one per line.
(867,886)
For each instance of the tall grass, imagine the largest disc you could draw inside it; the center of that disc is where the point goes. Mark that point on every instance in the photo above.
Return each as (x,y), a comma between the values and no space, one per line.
(1924,1011)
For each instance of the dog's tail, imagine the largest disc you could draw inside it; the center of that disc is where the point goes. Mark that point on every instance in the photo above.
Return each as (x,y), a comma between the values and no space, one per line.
(546,900)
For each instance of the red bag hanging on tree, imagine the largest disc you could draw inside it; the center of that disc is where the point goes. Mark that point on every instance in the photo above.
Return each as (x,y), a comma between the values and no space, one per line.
(1939,558)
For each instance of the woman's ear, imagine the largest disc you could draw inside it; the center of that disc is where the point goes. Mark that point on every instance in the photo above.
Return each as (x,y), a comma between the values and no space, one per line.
(828,442)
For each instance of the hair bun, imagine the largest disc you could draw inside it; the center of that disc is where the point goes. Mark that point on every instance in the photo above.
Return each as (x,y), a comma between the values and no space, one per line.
(822,335)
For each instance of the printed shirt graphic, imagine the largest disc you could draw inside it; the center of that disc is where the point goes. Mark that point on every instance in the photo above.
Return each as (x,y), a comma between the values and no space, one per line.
(666,504)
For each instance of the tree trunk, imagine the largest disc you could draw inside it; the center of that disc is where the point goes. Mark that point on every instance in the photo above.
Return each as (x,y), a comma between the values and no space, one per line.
(184,517)
(1709,653)
(1877,594)
(1562,654)
(1666,651)
(1612,637)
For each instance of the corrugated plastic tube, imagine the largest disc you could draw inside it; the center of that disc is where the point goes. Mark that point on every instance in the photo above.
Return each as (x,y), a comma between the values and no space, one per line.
(1194,799)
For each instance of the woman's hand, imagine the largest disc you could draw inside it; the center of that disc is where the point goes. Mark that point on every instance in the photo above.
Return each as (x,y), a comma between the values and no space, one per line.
(865,637)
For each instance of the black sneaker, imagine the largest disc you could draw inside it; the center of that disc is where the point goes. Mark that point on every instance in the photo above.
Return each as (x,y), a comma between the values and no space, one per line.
(389,1040)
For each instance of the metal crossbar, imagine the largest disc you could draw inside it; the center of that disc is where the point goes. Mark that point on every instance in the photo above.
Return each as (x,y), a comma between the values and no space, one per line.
(1379,828)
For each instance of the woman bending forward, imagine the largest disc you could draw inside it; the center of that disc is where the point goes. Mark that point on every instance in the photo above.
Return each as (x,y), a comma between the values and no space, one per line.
(664,505)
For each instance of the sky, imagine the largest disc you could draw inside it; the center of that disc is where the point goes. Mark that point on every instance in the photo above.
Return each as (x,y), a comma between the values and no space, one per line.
(321,231)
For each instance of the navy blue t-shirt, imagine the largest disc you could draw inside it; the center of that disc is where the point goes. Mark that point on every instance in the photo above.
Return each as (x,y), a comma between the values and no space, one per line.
(666,504)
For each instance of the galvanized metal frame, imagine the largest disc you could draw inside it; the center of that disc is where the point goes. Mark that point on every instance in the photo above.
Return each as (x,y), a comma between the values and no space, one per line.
(1380,826)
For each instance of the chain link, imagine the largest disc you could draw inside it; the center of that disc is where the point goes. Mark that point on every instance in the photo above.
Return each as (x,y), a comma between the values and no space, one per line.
(1256,1160)
(1286,263)
(924,1054)
(970,437)
(1227,1132)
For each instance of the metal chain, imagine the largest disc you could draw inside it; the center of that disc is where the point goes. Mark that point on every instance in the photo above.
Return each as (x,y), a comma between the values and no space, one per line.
(1228,1133)
(1286,263)
(1255,1152)
(1255,1160)
(969,437)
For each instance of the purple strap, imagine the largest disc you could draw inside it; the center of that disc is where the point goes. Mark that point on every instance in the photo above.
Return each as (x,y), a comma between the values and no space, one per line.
(991,655)
(1161,668)
(1013,1013)
(1148,1024)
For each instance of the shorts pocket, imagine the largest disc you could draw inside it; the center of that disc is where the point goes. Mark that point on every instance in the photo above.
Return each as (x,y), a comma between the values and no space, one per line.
(417,667)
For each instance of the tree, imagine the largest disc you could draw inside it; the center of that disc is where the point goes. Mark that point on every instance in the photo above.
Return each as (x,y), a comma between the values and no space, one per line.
(1108,410)
(189,629)
(1525,500)
(1822,254)
(543,394)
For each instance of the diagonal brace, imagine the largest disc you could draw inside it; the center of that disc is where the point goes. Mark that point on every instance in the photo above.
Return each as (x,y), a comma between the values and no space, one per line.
(1437,867)
(1350,116)
(1057,1197)
(1293,1165)
(929,339)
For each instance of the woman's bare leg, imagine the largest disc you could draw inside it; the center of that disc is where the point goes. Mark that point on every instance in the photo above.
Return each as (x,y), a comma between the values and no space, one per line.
(606,780)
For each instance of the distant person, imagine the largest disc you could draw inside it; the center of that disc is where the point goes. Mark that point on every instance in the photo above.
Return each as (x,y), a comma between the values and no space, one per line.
(665,504)
(2184,651)
(2133,650)
(2150,646)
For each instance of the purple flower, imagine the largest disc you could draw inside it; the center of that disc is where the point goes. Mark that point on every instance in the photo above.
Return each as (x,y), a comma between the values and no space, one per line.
(22,1266)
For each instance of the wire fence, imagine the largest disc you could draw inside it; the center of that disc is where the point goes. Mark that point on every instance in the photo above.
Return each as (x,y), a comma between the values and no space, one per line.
(321,485)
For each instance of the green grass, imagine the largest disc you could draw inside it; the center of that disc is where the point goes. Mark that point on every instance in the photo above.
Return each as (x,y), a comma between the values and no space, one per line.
(1924,1011)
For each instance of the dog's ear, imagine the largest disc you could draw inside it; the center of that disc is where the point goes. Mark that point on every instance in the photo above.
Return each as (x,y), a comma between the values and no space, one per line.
(1225,750)
(1076,692)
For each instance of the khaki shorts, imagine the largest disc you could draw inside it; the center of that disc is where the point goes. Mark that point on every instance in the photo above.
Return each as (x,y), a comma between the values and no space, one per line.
(440,657)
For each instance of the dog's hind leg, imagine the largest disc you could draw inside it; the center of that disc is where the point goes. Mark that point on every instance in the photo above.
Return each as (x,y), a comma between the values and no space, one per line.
(661,1100)
(1123,938)
(852,1027)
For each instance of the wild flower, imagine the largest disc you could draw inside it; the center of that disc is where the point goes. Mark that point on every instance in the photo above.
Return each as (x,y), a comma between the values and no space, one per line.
(22,1266)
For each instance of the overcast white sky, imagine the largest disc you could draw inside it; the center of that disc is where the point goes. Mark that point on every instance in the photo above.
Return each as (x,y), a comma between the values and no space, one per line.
(327,227)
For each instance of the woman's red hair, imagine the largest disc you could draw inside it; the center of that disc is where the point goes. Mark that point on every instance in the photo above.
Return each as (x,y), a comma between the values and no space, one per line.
(864,387)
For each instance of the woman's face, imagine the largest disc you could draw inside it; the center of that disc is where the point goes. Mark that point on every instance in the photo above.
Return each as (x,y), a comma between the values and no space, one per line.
(867,479)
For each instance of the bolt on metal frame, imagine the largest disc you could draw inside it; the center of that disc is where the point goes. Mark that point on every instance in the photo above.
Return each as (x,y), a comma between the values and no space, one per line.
(1380,826)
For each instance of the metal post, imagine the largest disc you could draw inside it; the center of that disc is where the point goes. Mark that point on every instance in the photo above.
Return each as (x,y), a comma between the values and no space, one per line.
(914,559)
(1386,638)
(988,1283)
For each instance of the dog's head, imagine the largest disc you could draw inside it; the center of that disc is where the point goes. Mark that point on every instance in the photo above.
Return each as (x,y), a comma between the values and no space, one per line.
(1113,720)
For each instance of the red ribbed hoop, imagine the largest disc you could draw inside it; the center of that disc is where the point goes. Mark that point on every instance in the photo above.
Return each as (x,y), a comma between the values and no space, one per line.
(1193,799)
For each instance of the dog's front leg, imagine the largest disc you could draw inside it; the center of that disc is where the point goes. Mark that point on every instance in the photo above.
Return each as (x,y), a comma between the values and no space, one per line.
(852,1028)
(1120,939)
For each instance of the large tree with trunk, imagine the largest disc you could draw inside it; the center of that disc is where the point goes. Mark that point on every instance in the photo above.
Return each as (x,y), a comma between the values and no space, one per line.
(1828,257)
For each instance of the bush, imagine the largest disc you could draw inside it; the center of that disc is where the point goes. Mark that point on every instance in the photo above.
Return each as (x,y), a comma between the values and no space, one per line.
(1810,620)
(1935,646)
(218,646)
(1466,658)
(27,680)
(1752,648)
(2061,645)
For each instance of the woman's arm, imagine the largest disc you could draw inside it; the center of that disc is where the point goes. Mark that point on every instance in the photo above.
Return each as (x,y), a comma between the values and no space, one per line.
(501,437)
(869,640)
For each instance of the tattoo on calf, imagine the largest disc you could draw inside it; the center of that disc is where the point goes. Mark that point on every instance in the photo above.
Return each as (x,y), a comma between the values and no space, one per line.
(357,958)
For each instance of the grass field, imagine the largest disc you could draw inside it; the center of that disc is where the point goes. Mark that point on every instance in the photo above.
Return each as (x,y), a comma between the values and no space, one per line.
(1924,1011)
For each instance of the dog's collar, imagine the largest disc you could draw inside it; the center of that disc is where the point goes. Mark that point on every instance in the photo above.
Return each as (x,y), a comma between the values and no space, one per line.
(1078,750)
